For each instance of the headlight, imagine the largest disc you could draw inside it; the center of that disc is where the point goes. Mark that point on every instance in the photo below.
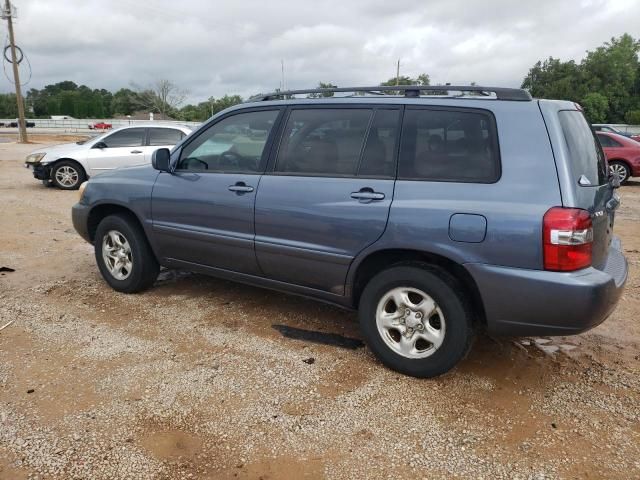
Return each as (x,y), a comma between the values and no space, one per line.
(83,185)
(35,157)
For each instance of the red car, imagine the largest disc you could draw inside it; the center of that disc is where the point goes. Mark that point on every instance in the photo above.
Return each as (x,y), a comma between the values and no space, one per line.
(100,126)
(623,155)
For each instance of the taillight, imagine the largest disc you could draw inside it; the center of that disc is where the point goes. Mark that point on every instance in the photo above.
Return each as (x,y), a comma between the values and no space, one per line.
(567,238)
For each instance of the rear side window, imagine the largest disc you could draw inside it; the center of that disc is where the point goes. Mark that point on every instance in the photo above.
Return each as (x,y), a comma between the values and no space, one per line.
(323,141)
(129,137)
(585,154)
(164,136)
(449,146)
(607,141)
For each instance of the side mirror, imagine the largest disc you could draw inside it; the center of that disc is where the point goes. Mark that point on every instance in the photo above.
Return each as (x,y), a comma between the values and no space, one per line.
(160,159)
(99,145)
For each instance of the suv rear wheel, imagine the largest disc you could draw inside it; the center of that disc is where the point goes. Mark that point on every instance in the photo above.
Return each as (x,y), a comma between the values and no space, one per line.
(123,254)
(415,320)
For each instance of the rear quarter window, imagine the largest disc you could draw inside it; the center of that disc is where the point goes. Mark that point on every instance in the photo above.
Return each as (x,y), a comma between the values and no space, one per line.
(585,154)
(449,145)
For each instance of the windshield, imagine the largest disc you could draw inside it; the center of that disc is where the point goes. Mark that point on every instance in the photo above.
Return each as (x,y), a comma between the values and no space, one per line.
(96,138)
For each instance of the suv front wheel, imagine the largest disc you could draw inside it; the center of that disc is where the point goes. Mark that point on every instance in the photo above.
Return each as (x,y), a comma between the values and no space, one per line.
(415,320)
(123,254)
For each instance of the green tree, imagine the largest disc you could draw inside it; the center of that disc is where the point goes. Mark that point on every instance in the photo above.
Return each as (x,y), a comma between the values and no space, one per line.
(125,102)
(323,94)
(422,79)
(611,70)
(632,117)
(596,107)
(555,79)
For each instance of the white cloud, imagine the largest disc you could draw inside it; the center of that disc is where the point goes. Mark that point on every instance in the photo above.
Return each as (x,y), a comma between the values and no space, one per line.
(213,48)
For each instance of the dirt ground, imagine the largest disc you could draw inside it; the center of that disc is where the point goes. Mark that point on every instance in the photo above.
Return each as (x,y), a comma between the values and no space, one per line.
(190,379)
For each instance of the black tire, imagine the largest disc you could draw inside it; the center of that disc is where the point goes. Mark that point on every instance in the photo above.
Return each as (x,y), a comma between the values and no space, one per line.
(144,270)
(621,169)
(76,172)
(446,292)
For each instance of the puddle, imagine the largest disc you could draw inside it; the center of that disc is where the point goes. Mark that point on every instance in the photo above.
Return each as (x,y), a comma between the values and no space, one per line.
(172,444)
(319,337)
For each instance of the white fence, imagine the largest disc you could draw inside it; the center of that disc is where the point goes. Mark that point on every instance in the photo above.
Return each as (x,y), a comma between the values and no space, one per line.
(631,129)
(82,125)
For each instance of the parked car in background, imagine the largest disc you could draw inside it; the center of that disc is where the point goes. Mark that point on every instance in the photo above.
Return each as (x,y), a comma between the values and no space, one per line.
(433,216)
(599,127)
(100,126)
(623,155)
(67,166)
(27,124)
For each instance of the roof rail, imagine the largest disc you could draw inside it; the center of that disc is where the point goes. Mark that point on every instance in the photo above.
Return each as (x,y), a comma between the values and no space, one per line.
(411,91)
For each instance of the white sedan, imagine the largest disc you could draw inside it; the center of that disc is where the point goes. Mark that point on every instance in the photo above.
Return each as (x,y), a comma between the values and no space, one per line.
(67,166)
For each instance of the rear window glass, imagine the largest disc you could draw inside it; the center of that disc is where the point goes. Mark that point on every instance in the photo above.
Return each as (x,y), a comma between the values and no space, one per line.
(585,153)
(164,136)
(323,141)
(449,146)
(607,141)
(129,137)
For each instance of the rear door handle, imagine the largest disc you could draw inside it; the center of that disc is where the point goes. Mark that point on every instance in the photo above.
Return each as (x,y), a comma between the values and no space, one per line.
(367,194)
(137,151)
(240,187)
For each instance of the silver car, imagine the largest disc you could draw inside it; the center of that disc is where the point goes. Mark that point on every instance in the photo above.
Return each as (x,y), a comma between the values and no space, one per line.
(68,165)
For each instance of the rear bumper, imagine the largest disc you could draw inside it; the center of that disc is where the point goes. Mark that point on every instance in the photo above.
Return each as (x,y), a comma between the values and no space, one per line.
(536,302)
(80,219)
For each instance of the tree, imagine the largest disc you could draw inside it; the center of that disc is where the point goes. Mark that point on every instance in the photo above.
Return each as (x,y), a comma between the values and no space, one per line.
(323,94)
(612,71)
(555,79)
(125,101)
(596,107)
(422,79)
(632,117)
(162,97)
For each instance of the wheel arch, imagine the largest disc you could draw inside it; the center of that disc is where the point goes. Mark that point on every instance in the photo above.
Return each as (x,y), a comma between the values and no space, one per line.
(380,260)
(100,211)
(53,164)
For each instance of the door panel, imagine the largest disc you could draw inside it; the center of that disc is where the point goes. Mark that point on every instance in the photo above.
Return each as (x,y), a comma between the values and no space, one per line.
(196,218)
(203,212)
(318,211)
(103,159)
(308,230)
(122,148)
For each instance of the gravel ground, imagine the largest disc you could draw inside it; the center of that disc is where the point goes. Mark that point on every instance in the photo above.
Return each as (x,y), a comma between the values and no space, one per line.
(190,380)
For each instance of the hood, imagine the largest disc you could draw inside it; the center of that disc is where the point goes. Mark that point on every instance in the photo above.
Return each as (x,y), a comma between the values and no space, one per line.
(57,151)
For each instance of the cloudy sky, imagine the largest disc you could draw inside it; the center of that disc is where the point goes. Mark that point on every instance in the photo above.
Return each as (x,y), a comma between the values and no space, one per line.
(236,46)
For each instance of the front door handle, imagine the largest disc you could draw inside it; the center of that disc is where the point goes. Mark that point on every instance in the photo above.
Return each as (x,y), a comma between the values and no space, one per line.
(240,188)
(137,151)
(367,194)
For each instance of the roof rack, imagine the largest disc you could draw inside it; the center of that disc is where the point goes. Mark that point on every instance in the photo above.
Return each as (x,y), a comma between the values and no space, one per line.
(411,91)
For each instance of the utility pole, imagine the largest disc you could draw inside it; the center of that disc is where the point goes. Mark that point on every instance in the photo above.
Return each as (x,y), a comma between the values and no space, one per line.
(397,71)
(22,126)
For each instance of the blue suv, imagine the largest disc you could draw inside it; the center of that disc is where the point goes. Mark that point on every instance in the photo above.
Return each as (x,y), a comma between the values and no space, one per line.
(433,211)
